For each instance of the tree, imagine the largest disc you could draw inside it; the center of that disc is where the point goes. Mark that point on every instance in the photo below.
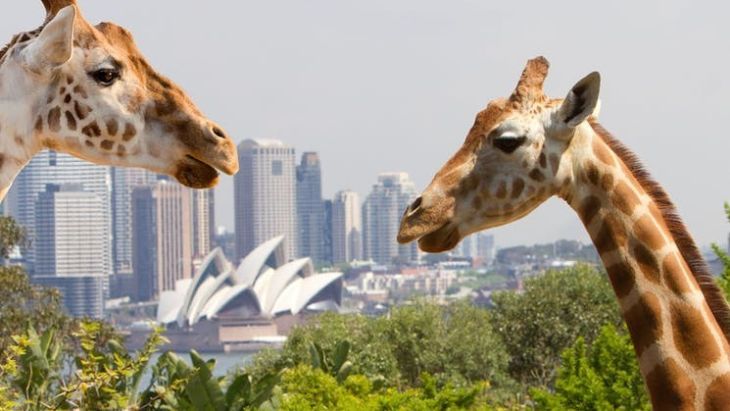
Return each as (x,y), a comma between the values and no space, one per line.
(22,303)
(724,280)
(555,309)
(603,376)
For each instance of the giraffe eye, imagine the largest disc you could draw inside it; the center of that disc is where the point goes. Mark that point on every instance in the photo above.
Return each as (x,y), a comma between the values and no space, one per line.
(106,76)
(508,144)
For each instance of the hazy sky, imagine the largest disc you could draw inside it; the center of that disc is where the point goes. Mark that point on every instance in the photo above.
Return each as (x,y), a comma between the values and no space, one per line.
(393,85)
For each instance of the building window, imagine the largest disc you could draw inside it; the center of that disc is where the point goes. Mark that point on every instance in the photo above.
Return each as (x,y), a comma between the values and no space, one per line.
(276,168)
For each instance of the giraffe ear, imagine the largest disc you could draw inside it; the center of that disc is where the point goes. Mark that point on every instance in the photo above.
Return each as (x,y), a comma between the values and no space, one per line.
(54,46)
(582,100)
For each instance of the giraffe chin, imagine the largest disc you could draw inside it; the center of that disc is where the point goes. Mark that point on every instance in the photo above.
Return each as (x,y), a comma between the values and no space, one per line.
(194,173)
(444,239)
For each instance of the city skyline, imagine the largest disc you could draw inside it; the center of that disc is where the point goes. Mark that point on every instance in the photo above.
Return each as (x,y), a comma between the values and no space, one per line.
(402,97)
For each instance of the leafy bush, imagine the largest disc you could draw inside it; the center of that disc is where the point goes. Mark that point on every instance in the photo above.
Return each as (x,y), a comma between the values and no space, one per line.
(553,311)
(604,376)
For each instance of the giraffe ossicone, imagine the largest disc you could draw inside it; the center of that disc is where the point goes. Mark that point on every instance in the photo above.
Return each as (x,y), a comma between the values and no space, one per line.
(527,148)
(88,91)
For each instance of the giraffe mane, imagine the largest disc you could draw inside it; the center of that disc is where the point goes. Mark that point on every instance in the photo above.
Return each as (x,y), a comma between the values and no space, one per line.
(18,38)
(685,243)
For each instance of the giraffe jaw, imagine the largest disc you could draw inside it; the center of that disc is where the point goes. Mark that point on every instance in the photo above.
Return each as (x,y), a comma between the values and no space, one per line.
(436,240)
(194,173)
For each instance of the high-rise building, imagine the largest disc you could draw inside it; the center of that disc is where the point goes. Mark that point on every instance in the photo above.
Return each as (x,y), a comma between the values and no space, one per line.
(480,247)
(381,219)
(124,180)
(203,214)
(50,167)
(310,210)
(162,231)
(70,227)
(346,227)
(327,235)
(265,196)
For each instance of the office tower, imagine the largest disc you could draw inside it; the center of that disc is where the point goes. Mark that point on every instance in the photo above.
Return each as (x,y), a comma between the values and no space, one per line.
(203,223)
(71,249)
(310,210)
(161,237)
(49,167)
(265,196)
(480,247)
(124,180)
(327,233)
(381,218)
(346,227)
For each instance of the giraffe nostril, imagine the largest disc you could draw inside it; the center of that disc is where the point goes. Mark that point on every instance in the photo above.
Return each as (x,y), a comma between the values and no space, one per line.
(416,204)
(218,132)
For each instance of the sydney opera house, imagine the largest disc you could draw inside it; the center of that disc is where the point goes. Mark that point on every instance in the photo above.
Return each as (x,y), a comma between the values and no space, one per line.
(250,301)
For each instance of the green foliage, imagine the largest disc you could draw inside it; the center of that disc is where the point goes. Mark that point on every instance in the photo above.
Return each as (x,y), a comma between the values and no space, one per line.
(555,309)
(455,342)
(11,235)
(337,366)
(21,303)
(604,376)
(724,280)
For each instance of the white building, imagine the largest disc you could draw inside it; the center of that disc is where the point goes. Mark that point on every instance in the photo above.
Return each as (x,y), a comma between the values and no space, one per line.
(261,286)
(346,227)
(265,196)
(382,212)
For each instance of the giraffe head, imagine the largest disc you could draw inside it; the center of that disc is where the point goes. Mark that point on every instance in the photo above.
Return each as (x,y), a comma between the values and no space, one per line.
(515,156)
(93,95)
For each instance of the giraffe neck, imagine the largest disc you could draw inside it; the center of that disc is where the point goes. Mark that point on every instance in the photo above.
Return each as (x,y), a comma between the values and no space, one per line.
(19,101)
(683,353)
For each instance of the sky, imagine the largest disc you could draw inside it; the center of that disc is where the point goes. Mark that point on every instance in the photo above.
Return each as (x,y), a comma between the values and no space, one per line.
(394,85)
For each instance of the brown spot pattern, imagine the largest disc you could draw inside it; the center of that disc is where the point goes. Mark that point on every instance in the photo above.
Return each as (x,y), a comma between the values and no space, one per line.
(589,208)
(602,152)
(54,119)
(67,99)
(129,132)
(670,388)
(554,163)
(543,160)
(517,186)
(70,121)
(673,275)
(592,173)
(501,190)
(92,130)
(121,150)
(82,110)
(607,182)
(89,143)
(648,233)
(644,322)
(112,127)
(624,198)
(39,124)
(476,203)
(537,175)
(611,235)
(79,91)
(107,144)
(647,262)
(622,278)
(717,396)
(692,336)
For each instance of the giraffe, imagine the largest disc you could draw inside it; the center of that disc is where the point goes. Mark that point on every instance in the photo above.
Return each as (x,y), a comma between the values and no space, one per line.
(87,91)
(527,148)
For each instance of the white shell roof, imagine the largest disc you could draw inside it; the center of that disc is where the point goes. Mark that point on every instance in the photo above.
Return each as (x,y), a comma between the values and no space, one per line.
(288,288)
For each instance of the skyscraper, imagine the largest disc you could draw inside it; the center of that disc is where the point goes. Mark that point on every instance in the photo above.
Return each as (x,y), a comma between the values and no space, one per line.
(49,167)
(346,227)
(310,210)
(381,218)
(70,226)
(162,251)
(124,180)
(265,196)
(203,223)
